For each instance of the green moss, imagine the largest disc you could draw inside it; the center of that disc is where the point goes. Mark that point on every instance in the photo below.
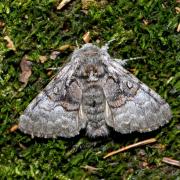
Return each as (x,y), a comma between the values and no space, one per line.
(37,28)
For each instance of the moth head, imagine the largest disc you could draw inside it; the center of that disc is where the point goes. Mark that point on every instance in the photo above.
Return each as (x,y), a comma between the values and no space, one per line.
(90,63)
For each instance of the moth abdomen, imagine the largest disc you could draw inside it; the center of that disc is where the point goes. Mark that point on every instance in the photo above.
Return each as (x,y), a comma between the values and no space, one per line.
(94,107)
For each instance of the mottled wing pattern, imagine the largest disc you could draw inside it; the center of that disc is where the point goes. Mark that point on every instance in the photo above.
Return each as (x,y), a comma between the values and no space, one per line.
(55,111)
(131,105)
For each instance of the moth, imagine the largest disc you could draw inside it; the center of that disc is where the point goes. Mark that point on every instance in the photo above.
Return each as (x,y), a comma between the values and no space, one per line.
(94,92)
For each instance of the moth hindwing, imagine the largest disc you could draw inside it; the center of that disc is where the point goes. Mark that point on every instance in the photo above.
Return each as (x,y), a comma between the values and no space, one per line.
(94,92)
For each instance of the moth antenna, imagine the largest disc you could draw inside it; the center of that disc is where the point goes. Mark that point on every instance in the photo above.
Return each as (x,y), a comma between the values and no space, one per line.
(54,69)
(106,46)
(77,44)
(123,62)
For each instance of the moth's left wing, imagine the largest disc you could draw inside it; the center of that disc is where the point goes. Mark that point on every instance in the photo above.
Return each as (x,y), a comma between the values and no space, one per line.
(131,105)
(56,111)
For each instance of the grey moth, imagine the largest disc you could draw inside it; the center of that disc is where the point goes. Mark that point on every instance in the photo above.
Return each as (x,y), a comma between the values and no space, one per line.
(94,92)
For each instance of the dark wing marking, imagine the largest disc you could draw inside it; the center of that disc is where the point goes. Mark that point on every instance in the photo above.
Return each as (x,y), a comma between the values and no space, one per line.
(56,111)
(131,105)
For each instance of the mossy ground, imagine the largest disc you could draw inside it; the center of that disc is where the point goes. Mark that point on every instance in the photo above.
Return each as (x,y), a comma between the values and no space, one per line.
(37,28)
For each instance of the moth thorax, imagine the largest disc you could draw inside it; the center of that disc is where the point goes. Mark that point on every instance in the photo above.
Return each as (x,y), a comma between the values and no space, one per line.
(93,72)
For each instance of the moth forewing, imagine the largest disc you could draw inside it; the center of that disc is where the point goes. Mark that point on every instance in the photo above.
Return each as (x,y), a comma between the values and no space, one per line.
(144,110)
(45,117)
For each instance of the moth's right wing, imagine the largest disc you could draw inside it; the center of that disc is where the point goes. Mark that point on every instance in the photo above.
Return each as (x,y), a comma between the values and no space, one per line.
(56,111)
(130,104)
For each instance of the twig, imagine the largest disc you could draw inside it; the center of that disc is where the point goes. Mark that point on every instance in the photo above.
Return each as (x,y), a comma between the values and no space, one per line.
(90,168)
(171,161)
(62,4)
(14,128)
(22,146)
(10,44)
(86,37)
(148,141)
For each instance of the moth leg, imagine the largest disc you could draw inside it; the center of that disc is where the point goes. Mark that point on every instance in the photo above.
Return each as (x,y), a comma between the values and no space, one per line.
(123,62)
